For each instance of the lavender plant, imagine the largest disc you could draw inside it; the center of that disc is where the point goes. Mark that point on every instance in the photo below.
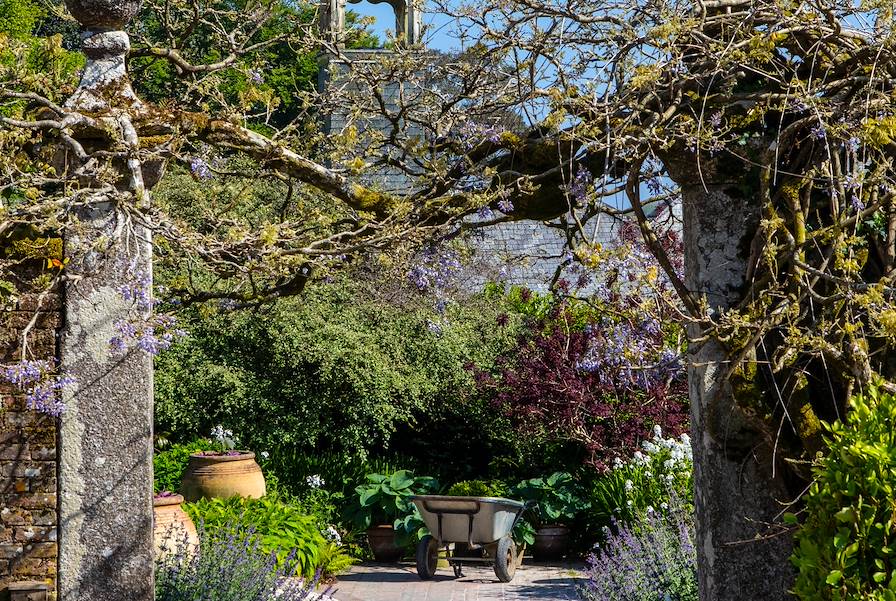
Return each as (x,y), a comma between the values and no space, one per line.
(229,567)
(653,559)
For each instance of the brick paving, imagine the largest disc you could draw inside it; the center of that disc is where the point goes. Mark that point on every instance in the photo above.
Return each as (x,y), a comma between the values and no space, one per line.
(379,582)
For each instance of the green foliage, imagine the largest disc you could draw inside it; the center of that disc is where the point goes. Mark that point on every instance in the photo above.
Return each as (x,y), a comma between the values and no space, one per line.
(845,547)
(283,528)
(19,17)
(558,498)
(169,465)
(478,488)
(385,498)
(334,373)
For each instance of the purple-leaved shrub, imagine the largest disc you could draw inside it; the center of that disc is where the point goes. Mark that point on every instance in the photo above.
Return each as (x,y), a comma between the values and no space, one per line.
(651,559)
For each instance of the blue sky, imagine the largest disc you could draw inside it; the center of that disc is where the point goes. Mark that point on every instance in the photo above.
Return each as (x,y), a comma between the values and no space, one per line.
(436,24)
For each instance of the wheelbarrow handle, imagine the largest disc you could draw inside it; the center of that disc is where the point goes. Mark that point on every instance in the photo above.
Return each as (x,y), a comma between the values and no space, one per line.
(519,514)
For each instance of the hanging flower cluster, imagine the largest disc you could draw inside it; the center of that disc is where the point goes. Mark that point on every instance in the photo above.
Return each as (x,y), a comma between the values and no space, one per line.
(41,384)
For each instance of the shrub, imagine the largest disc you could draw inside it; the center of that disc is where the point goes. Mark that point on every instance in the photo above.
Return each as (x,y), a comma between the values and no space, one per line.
(282,529)
(478,488)
(844,548)
(228,566)
(169,464)
(652,559)
(334,373)
(587,377)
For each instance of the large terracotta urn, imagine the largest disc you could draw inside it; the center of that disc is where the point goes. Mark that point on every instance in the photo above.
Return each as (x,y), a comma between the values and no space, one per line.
(173,530)
(221,476)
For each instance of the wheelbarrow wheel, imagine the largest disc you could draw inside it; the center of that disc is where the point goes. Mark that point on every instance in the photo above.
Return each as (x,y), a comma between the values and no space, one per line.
(505,559)
(427,557)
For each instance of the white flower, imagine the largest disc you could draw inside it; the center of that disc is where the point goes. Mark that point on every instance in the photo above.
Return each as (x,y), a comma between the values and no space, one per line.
(629,503)
(648,474)
(332,535)
(657,431)
(629,485)
(265,454)
(650,447)
(649,509)
(685,439)
(669,478)
(618,464)
(664,506)
(314,481)
(668,464)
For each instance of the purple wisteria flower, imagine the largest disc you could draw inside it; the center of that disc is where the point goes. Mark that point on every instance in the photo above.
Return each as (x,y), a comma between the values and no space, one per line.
(256,77)
(40,383)
(505,206)
(485,213)
(818,132)
(152,335)
(200,168)
(434,270)
(579,187)
(715,120)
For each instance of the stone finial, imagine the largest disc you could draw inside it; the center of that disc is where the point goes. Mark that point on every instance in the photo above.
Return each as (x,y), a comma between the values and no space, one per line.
(103,14)
(104,83)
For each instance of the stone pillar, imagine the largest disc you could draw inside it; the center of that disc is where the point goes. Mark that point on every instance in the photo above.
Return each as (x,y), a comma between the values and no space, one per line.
(105,454)
(737,496)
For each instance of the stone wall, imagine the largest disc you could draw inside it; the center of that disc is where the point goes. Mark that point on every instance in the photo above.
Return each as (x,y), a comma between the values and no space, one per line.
(28,518)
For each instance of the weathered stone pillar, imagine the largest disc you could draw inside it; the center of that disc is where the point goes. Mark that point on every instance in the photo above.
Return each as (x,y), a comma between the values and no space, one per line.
(737,496)
(105,454)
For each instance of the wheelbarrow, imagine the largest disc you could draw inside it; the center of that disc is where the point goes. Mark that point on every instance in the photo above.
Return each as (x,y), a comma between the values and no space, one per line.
(480,523)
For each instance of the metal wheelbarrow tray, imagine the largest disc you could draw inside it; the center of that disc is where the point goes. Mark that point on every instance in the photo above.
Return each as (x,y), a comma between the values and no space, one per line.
(479,523)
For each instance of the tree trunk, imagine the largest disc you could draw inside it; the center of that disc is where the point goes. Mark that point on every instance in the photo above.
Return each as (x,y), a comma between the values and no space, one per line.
(737,495)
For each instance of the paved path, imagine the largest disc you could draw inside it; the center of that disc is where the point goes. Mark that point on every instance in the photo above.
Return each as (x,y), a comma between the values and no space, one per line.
(378,582)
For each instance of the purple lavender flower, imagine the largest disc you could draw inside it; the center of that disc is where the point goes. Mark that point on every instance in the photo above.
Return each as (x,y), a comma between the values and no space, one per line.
(653,558)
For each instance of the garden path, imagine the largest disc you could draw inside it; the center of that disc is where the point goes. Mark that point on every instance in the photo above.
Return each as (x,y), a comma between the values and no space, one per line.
(533,582)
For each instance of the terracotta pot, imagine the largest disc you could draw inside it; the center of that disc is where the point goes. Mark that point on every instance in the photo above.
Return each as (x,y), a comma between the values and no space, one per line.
(172,527)
(222,476)
(551,542)
(382,543)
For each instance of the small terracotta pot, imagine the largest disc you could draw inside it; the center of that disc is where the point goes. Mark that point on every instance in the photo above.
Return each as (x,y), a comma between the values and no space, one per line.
(382,543)
(222,476)
(551,542)
(172,527)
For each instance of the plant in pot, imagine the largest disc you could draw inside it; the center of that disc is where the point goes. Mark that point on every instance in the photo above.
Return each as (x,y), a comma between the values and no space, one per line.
(556,500)
(223,471)
(383,506)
